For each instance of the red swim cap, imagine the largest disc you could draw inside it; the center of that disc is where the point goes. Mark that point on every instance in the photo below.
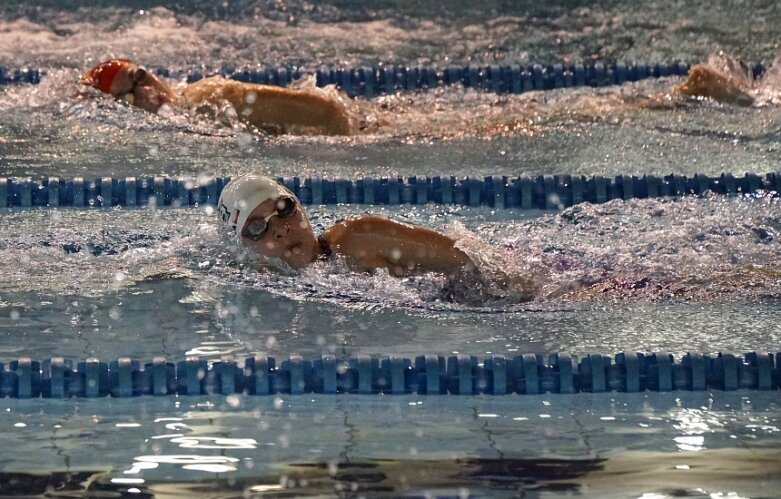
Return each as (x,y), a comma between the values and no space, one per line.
(103,74)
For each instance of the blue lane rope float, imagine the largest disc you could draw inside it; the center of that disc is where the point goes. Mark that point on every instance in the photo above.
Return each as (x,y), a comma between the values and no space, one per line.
(429,374)
(20,76)
(541,192)
(370,81)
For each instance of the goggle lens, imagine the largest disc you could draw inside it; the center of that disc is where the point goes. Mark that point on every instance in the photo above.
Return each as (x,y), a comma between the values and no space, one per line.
(255,230)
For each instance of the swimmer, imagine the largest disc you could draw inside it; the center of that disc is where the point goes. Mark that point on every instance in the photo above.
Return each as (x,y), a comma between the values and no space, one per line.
(270,220)
(706,81)
(269,108)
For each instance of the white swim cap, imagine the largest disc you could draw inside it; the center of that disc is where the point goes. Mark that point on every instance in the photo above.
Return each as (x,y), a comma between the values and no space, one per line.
(245,193)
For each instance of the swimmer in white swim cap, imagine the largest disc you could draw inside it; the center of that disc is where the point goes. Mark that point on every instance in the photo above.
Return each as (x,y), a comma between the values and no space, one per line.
(270,220)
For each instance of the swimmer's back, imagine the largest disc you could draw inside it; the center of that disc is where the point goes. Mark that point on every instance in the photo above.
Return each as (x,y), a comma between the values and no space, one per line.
(273,108)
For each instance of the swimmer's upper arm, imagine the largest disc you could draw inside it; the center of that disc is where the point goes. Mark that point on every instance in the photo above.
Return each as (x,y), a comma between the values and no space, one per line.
(372,242)
(266,106)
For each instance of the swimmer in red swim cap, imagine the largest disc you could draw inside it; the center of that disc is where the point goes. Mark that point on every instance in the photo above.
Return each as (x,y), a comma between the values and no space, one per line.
(269,108)
(269,220)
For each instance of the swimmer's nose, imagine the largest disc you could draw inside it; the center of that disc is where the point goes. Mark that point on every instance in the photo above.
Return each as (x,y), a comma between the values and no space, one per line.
(281,228)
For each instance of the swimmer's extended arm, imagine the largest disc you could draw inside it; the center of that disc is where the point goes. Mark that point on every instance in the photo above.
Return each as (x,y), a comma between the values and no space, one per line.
(274,108)
(370,242)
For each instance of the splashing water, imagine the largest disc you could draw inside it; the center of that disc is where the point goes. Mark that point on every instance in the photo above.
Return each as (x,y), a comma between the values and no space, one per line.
(651,249)
(688,249)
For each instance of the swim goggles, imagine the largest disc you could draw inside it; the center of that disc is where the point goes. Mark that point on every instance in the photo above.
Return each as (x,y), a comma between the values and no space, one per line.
(138,76)
(257,228)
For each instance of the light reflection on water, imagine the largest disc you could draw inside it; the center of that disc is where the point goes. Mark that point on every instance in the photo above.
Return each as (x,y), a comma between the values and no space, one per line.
(642,438)
(694,425)
(209,464)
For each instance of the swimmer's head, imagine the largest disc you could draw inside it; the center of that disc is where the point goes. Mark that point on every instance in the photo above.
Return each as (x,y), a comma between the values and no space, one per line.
(268,219)
(103,75)
(245,193)
(130,82)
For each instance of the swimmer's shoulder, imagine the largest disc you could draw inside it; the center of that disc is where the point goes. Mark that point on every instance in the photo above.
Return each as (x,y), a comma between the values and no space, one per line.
(217,87)
(363,225)
(224,88)
(356,229)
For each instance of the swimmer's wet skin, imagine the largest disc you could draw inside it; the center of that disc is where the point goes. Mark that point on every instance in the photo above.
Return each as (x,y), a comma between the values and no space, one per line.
(268,108)
(255,208)
(704,81)
(274,109)
(370,242)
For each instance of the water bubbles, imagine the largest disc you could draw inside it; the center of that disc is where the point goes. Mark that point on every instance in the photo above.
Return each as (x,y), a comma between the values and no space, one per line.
(14,315)
(243,139)
(233,400)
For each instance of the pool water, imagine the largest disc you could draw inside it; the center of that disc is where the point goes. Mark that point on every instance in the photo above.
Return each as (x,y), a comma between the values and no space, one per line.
(676,275)
(595,445)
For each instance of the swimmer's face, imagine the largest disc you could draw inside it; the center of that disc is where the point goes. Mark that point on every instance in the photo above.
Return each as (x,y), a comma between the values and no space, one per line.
(288,234)
(128,81)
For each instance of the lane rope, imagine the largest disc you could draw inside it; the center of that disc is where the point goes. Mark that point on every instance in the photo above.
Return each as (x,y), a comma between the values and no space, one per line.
(371,81)
(548,192)
(429,374)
